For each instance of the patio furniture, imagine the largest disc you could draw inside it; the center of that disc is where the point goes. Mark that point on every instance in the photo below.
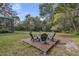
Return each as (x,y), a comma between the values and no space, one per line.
(32,37)
(52,39)
(36,41)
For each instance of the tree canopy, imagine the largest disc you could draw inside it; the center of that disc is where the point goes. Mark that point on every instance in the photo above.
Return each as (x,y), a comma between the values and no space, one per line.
(64,17)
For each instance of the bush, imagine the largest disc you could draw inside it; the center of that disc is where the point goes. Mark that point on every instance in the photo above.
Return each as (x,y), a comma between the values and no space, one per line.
(5,30)
(76,33)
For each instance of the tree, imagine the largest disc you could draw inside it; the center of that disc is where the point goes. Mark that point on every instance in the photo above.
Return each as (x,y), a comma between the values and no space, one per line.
(46,11)
(27,22)
(7,12)
(37,23)
(69,11)
(32,23)
(16,22)
(64,16)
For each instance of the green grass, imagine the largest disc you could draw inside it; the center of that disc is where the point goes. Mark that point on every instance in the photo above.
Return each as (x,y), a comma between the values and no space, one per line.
(9,42)
(76,38)
(10,45)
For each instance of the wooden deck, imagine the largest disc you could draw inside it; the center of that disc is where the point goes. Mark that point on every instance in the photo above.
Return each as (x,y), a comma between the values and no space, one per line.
(39,45)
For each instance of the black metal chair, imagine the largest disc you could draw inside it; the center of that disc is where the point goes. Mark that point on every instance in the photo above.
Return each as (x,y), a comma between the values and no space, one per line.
(34,38)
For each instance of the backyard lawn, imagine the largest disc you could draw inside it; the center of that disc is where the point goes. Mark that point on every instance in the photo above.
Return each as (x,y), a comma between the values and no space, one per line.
(10,45)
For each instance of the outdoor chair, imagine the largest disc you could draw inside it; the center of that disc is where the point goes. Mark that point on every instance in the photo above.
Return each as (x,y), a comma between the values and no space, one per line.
(36,38)
(49,36)
(32,37)
(52,39)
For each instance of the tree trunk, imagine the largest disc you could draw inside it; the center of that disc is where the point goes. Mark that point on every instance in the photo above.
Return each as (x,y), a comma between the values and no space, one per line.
(74,26)
(12,25)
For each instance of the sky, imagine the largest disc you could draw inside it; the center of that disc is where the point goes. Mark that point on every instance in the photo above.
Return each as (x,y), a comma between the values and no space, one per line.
(23,9)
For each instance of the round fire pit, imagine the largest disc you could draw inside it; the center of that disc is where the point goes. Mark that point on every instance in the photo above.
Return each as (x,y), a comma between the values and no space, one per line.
(44,37)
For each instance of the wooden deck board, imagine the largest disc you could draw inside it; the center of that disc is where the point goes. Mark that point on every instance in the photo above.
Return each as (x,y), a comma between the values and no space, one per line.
(39,45)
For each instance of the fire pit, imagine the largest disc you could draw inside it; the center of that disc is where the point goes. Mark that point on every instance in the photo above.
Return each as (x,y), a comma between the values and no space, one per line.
(44,37)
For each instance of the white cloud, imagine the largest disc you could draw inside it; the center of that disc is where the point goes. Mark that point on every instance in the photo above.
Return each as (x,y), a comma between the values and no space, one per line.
(18,8)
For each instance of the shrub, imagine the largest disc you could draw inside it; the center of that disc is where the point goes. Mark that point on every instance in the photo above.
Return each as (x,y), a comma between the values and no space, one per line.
(4,30)
(76,33)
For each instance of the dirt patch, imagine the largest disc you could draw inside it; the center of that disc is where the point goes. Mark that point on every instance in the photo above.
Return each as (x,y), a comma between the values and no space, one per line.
(66,47)
(69,47)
